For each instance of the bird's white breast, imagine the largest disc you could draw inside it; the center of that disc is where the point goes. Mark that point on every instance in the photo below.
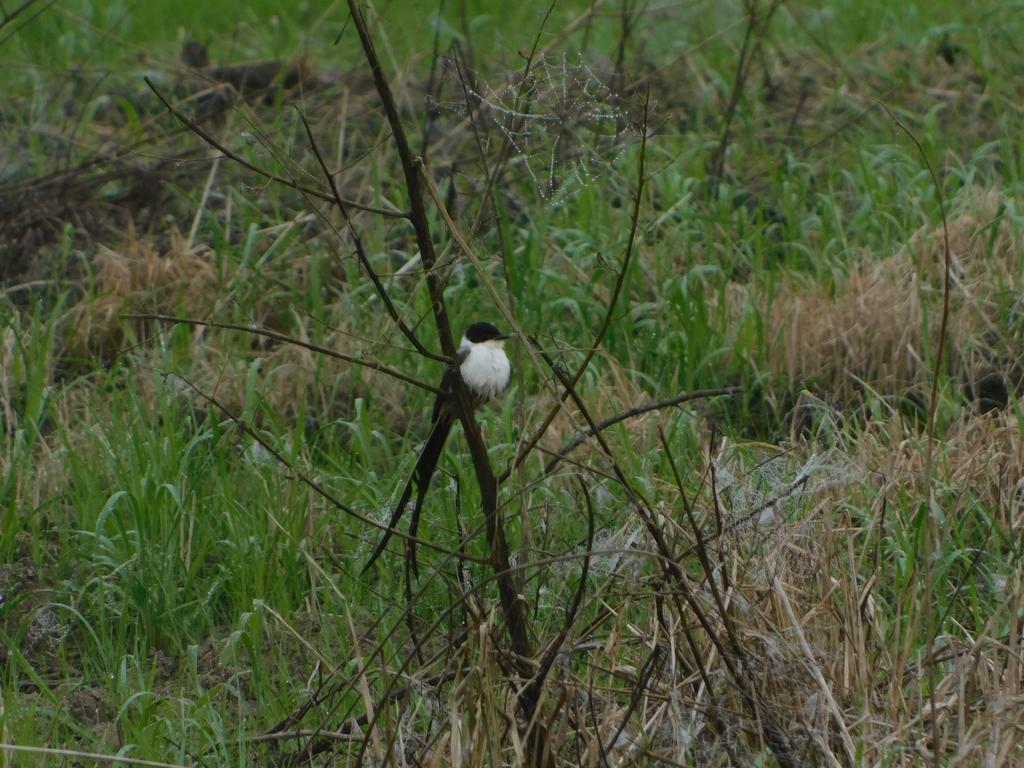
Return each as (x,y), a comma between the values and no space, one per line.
(486,370)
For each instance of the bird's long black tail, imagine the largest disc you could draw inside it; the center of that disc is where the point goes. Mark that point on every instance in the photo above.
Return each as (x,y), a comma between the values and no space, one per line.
(421,475)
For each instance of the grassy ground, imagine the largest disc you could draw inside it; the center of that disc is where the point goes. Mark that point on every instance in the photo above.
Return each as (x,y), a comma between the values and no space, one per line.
(822,568)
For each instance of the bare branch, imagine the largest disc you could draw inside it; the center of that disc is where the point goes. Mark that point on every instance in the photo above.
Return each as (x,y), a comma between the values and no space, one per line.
(310,482)
(611,421)
(94,757)
(932,629)
(255,331)
(643,678)
(513,607)
(231,155)
(418,212)
(10,16)
(532,690)
(361,252)
(756,28)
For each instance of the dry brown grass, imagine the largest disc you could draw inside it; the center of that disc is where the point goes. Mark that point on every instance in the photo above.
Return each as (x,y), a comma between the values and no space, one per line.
(171,277)
(979,460)
(139,275)
(809,606)
(869,332)
(810,594)
(876,328)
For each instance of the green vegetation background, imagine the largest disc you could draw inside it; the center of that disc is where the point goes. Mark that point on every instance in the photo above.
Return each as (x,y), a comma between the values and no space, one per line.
(171,592)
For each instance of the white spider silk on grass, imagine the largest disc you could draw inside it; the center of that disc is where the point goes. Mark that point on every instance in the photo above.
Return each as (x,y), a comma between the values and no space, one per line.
(771,489)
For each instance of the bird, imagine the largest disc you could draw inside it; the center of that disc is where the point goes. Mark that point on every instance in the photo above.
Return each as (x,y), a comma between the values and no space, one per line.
(486,371)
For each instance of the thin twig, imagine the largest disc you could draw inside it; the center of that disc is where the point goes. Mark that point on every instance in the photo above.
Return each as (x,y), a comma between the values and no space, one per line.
(751,40)
(94,756)
(571,611)
(432,78)
(643,678)
(700,546)
(582,437)
(231,155)
(10,17)
(417,208)
(926,604)
(361,254)
(298,474)
(285,339)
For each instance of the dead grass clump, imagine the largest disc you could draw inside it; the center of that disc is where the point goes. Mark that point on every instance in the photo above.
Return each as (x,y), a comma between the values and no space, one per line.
(141,277)
(182,277)
(808,589)
(978,460)
(868,333)
(98,196)
(877,329)
(986,288)
(980,237)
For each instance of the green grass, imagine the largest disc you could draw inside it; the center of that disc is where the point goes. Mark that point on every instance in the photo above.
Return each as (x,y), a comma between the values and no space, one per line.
(159,563)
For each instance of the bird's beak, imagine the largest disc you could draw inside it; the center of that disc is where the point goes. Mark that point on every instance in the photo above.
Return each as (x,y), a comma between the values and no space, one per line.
(504,336)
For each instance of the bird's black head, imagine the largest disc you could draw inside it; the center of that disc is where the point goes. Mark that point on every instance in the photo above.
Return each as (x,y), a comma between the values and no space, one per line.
(478,332)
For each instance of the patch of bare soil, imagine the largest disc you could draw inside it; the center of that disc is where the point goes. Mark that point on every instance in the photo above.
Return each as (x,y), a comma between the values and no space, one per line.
(108,161)
(88,705)
(94,200)
(27,618)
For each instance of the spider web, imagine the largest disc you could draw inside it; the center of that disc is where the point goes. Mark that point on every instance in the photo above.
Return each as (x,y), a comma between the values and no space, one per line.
(771,489)
(567,129)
